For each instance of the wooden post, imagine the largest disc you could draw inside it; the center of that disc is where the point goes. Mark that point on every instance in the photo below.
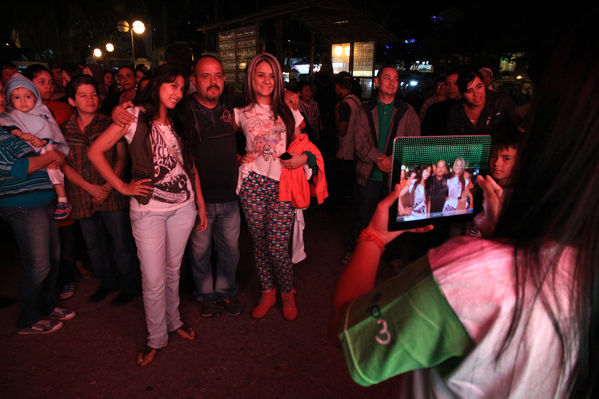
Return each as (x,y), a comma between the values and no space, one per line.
(312,45)
(351,58)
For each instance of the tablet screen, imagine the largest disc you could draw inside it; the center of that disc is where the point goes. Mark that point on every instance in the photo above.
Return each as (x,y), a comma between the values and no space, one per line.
(437,178)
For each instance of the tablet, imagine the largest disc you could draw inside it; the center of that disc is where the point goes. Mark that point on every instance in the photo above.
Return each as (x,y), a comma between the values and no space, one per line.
(437,178)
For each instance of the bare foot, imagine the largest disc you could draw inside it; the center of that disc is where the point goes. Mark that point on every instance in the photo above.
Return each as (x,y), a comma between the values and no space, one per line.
(146,357)
(186,332)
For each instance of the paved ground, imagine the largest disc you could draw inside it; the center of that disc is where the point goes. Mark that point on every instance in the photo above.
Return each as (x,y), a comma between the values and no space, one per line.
(93,356)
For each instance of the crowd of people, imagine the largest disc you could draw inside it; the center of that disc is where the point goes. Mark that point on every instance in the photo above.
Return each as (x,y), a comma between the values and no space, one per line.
(137,153)
(135,165)
(154,165)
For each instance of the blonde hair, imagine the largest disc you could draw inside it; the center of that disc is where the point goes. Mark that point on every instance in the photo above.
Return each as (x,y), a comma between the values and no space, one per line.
(278,106)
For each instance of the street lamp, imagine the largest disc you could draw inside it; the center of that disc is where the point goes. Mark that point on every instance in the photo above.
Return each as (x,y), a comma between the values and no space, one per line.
(138,27)
(97,54)
(109,47)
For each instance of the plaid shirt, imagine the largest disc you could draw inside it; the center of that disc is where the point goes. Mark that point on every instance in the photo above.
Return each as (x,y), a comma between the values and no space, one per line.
(83,206)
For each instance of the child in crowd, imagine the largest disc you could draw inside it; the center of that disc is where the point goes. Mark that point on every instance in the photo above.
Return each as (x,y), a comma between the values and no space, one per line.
(503,154)
(35,124)
(43,80)
(310,111)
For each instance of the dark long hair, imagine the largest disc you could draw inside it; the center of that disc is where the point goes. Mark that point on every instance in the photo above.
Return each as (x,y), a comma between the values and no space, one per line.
(149,98)
(554,200)
(278,106)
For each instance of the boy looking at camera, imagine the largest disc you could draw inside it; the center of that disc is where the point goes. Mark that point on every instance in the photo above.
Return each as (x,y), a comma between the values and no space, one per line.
(503,155)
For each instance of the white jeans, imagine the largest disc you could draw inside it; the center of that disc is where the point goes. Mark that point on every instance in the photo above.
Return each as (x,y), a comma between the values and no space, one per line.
(161,238)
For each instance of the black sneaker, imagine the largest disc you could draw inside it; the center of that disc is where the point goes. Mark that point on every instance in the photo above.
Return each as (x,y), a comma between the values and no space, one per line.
(210,309)
(231,305)
(100,294)
(123,298)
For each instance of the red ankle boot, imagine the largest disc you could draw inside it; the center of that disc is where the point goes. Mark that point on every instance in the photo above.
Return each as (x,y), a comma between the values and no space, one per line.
(289,308)
(267,301)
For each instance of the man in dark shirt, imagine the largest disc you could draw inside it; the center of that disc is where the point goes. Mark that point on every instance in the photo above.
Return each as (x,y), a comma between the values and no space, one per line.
(480,111)
(210,116)
(437,187)
(436,117)
(346,112)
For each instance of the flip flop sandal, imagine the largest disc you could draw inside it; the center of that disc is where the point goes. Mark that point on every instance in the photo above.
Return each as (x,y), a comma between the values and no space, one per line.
(145,354)
(186,330)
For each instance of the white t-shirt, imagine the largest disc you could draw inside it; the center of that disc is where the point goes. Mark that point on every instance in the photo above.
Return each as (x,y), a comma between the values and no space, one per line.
(265,137)
(172,189)
(454,191)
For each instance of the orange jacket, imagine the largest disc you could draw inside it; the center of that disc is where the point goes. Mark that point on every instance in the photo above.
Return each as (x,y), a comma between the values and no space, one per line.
(293,184)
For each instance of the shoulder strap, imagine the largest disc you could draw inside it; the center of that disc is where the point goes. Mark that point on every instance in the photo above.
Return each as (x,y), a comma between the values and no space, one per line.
(354,100)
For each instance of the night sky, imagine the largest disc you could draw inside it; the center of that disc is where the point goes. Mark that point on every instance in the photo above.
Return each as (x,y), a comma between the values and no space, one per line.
(73,28)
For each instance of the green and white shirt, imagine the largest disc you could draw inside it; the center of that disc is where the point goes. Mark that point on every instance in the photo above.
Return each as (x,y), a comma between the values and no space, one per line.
(442,320)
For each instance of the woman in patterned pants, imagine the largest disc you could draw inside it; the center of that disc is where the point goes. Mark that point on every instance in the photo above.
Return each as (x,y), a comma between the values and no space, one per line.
(269,126)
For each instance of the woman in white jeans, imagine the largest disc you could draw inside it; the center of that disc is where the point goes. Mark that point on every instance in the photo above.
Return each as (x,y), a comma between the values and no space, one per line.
(165,188)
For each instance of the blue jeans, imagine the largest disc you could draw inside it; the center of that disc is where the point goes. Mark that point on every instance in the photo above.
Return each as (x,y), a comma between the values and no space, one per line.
(109,242)
(216,283)
(365,201)
(36,233)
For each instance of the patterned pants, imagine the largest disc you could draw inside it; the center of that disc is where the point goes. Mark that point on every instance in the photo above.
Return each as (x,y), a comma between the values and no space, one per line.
(270,222)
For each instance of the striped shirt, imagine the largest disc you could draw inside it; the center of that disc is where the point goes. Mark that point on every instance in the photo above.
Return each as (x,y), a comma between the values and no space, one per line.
(17,188)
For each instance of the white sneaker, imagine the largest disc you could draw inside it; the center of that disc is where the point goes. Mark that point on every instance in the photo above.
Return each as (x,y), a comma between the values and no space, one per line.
(42,327)
(61,314)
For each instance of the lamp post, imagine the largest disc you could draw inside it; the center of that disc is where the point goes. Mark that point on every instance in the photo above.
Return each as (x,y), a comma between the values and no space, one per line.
(137,27)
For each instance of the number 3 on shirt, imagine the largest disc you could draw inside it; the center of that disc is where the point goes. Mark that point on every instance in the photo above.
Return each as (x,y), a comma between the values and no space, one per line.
(384,336)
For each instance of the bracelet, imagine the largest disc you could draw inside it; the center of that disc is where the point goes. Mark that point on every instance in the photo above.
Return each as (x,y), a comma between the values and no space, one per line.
(368,235)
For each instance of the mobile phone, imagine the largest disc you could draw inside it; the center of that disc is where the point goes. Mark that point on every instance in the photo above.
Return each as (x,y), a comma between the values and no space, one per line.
(284,156)
(437,179)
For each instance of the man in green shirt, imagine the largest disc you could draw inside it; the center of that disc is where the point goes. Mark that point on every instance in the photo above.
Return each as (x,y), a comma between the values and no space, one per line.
(384,118)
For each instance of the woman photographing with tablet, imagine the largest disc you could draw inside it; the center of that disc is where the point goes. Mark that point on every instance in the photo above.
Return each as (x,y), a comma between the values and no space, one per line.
(515,314)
